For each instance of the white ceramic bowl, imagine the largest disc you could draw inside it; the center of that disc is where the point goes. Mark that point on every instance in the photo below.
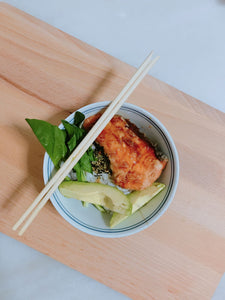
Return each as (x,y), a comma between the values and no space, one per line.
(89,219)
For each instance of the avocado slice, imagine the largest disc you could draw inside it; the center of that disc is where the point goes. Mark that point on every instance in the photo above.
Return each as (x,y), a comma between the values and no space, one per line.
(97,193)
(137,199)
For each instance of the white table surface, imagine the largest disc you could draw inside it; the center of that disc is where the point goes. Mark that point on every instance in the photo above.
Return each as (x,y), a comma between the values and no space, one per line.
(189,37)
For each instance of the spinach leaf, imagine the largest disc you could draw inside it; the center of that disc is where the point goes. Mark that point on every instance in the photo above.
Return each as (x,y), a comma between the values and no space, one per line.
(52,139)
(85,163)
(74,135)
(60,143)
(78,118)
(73,130)
(91,155)
(79,172)
(72,143)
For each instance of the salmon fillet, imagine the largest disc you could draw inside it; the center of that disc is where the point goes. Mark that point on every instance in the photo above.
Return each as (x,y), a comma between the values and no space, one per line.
(133,160)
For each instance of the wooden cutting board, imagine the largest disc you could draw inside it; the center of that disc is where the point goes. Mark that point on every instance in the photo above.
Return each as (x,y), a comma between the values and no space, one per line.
(48,74)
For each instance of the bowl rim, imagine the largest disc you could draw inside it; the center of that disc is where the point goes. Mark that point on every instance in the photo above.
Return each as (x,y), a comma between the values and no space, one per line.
(112,233)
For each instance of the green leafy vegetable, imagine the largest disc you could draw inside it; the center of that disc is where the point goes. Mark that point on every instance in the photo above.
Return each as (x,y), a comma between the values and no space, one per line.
(73,130)
(60,143)
(76,134)
(91,155)
(72,143)
(85,163)
(78,118)
(85,204)
(79,172)
(100,208)
(52,139)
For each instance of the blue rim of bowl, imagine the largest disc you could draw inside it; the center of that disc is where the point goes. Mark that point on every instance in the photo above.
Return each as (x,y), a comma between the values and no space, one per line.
(128,230)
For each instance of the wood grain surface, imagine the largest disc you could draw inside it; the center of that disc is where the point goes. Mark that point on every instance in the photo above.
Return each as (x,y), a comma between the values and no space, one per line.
(48,74)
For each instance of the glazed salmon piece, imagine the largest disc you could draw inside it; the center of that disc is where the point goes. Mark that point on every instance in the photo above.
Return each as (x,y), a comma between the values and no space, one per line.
(133,161)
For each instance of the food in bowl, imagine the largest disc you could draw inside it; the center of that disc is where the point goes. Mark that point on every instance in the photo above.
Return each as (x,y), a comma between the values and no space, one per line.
(132,158)
(133,165)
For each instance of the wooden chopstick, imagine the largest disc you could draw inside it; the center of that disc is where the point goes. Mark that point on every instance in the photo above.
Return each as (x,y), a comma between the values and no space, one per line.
(104,116)
(55,181)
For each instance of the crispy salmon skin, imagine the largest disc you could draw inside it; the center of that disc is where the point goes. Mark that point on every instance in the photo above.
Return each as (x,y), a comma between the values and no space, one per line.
(133,160)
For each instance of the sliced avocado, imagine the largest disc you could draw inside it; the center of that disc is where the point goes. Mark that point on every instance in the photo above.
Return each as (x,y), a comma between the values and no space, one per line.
(137,199)
(96,193)
(140,198)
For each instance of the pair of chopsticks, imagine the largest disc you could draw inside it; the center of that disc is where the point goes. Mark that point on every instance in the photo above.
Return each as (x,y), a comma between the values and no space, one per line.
(111,110)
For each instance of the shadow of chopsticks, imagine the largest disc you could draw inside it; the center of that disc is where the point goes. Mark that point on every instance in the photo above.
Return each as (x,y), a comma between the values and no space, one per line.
(36,152)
